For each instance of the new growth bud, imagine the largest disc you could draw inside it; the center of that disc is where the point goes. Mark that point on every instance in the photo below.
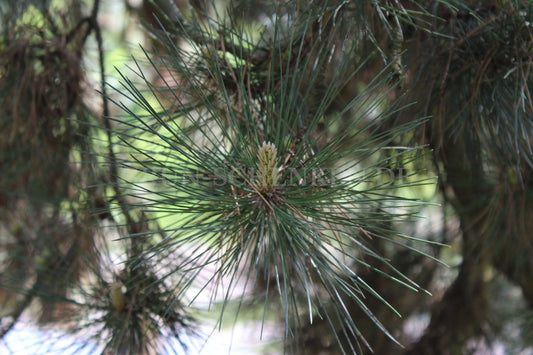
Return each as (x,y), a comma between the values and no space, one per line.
(118,299)
(267,170)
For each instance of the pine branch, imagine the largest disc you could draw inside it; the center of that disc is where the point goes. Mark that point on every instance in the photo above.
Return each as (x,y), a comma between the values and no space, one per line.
(236,203)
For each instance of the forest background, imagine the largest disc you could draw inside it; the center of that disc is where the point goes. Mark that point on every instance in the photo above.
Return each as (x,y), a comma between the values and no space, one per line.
(314,177)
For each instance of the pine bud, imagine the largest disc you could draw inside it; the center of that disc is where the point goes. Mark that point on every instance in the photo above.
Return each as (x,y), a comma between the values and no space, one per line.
(118,299)
(267,170)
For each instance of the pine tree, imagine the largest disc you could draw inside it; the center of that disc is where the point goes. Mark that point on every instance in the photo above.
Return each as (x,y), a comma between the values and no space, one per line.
(268,162)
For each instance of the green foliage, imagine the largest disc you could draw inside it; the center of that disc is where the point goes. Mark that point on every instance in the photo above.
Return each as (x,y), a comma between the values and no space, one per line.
(296,214)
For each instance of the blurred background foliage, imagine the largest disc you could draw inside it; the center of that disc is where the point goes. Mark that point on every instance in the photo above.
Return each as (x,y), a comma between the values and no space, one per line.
(307,177)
